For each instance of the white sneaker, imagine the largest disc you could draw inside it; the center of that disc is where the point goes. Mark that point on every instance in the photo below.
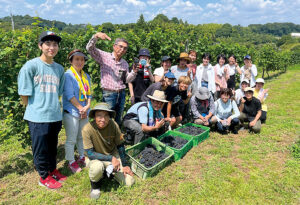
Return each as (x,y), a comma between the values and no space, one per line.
(95,193)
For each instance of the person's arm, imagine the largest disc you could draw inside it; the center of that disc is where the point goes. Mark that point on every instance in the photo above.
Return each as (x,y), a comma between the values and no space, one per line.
(194,109)
(122,154)
(158,125)
(169,108)
(130,76)
(242,102)
(253,122)
(93,155)
(24,100)
(237,67)
(130,86)
(150,75)
(216,111)
(226,70)
(158,78)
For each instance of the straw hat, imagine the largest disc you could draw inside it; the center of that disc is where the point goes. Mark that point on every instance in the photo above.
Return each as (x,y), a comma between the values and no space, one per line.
(158,96)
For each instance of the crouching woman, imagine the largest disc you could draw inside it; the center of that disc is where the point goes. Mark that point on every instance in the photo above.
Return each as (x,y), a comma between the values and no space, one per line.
(226,113)
(103,144)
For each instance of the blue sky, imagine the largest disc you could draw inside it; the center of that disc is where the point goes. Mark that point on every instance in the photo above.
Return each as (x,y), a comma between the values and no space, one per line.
(243,12)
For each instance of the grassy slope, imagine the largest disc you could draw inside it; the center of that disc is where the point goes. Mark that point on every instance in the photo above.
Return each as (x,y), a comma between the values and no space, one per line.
(233,169)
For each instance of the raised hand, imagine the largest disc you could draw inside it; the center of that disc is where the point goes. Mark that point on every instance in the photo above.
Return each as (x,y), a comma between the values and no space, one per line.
(102,36)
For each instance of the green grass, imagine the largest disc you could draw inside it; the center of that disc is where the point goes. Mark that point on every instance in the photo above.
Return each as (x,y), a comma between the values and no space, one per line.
(233,169)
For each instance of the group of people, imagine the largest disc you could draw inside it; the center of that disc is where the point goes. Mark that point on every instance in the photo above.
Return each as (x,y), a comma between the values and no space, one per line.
(161,101)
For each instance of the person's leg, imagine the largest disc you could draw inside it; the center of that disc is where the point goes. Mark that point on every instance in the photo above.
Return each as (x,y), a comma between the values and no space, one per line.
(242,117)
(234,126)
(54,130)
(256,128)
(71,125)
(79,143)
(135,129)
(119,106)
(110,98)
(38,133)
(220,127)
(96,170)
(263,116)
(198,121)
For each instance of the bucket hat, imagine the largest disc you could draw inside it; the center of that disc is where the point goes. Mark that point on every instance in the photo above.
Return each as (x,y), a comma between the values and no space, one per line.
(184,56)
(202,93)
(102,107)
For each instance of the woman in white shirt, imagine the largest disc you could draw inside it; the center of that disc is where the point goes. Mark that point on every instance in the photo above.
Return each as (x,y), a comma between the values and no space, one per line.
(233,68)
(249,71)
(205,74)
(160,72)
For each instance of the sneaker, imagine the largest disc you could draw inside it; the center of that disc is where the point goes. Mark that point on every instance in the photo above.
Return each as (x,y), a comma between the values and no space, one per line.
(49,183)
(95,193)
(81,161)
(58,176)
(74,167)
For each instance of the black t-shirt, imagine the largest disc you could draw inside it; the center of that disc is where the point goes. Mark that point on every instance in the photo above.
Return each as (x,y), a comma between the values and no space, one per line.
(157,86)
(177,95)
(140,84)
(251,108)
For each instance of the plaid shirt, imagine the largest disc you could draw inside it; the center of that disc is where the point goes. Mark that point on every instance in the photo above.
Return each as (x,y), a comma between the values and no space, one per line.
(110,68)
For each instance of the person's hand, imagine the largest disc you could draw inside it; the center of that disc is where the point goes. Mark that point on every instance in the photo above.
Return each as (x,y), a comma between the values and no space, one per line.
(168,119)
(83,116)
(206,123)
(102,36)
(233,92)
(229,121)
(206,118)
(116,163)
(84,110)
(223,122)
(160,123)
(132,100)
(243,100)
(266,90)
(236,64)
(127,170)
(252,123)
(189,94)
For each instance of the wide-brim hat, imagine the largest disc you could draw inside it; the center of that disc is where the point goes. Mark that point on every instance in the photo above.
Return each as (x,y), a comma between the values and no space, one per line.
(202,93)
(49,35)
(158,95)
(102,107)
(247,89)
(260,80)
(184,56)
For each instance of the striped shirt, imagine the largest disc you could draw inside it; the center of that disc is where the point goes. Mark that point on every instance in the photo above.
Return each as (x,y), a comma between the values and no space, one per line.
(111,70)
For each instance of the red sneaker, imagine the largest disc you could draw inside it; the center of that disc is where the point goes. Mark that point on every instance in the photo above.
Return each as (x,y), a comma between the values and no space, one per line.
(58,176)
(81,161)
(74,167)
(49,183)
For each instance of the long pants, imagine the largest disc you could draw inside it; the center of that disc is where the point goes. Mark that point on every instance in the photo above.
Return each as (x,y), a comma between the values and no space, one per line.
(44,137)
(116,100)
(222,128)
(97,168)
(134,128)
(73,126)
(263,116)
(244,118)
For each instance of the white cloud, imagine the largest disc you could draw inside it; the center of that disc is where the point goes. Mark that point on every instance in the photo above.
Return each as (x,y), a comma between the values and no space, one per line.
(136,3)
(83,6)
(158,2)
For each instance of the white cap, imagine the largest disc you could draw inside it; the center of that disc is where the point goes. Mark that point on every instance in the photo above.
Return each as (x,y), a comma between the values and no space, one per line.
(260,80)
(245,80)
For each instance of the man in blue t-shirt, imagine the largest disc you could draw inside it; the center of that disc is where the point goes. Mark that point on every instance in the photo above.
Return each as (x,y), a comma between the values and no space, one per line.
(40,83)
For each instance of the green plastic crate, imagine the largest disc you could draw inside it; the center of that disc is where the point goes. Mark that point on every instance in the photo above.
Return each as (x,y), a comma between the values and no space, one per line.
(138,168)
(179,153)
(198,138)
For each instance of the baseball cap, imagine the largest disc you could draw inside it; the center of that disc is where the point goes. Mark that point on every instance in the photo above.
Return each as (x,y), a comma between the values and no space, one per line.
(249,89)
(260,80)
(170,75)
(245,80)
(247,57)
(49,35)
(165,58)
(144,52)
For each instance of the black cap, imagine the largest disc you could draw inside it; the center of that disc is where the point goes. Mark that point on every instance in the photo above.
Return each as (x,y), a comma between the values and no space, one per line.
(144,52)
(247,57)
(78,53)
(49,35)
(165,58)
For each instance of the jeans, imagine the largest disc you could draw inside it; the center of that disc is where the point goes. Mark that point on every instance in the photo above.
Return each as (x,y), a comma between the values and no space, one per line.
(116,100)
(73,126)
(222,128)
(44,137)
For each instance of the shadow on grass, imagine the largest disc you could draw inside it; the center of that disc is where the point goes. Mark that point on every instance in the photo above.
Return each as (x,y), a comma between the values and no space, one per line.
(271,76)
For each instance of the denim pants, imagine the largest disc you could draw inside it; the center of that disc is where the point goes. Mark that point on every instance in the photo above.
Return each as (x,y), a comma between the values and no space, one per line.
(116,100)
(234,122)
(73,126)
(44,137)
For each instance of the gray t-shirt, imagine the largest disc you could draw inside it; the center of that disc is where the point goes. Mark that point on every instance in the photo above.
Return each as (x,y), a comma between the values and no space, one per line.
(204,74)
(150,90)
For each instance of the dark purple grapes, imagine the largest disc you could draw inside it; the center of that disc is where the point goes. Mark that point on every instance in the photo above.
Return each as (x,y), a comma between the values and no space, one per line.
(191,130)
(174,141)
(150,156)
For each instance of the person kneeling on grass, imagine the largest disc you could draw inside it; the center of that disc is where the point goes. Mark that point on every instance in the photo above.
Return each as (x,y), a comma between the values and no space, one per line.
(145,119)
(250,109)
(261,94)
(202,106)
(103,144)
(226,113)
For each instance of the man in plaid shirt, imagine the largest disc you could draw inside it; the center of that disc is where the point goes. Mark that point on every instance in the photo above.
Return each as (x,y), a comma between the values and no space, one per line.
(114,72)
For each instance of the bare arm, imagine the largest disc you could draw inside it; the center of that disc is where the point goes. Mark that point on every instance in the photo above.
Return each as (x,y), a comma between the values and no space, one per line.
(158,78)
(24,100)
(130,86)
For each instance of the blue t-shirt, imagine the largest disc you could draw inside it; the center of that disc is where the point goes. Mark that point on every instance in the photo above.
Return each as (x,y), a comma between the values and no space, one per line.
(43,84)
(142,112)
(179,72)
(71,89)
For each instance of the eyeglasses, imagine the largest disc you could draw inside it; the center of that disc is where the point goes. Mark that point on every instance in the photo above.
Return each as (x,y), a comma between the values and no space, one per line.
(157,102)
(122,47)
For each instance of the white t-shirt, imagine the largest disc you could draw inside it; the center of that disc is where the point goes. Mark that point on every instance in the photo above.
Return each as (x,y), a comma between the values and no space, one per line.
(238,95)
(232,69)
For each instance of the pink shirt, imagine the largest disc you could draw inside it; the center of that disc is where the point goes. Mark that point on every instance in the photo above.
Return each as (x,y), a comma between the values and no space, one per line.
(111,69)
(222,80)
